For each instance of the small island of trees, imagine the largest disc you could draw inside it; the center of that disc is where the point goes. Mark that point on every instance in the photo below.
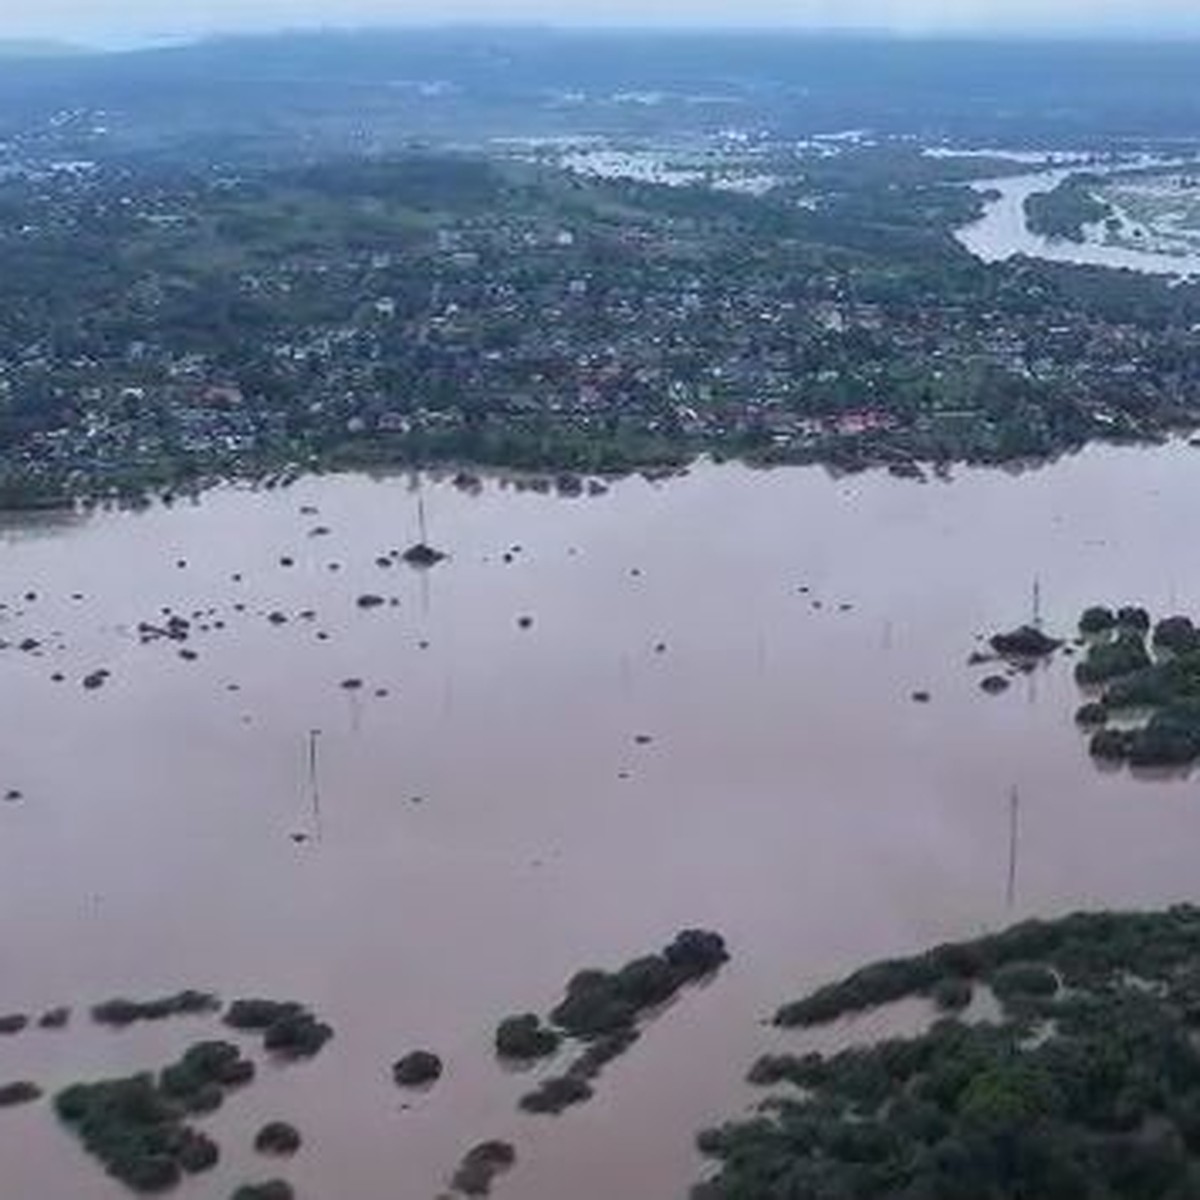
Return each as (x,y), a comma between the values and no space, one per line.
(138,1126)
(1144,680)
(602,1009)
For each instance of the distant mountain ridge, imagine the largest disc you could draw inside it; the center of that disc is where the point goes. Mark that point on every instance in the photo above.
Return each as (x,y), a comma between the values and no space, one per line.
(455,83)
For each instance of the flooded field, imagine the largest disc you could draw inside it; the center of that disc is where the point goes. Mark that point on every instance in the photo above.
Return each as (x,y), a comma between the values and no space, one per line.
(705,718)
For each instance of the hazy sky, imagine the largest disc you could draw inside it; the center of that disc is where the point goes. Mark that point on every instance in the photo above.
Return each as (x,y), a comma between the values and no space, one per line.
(124,18)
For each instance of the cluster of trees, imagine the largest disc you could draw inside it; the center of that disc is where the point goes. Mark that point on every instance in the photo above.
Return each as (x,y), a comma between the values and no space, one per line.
(481,1165)
(1088,1085)
(1142,668)
(1064,212)
(288,1028)
(602,1009)
(138,1126)
(121,1012)
(1084,949)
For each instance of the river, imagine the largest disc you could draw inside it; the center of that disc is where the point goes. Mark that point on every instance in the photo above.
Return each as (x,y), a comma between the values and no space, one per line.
(492,824)
(1002,232)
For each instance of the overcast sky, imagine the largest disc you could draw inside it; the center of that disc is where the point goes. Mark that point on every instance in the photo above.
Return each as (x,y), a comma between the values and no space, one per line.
(91,19)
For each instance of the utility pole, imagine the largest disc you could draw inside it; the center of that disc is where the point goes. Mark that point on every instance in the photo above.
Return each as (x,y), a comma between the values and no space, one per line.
(1014,819)
(314,782)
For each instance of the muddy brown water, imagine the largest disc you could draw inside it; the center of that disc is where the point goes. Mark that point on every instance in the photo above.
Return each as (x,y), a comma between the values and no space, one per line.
(793,795)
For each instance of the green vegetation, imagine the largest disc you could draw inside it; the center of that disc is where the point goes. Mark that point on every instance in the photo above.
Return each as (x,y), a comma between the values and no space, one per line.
(1151,682)
(952,993)
(421,555)
(1097,620)
(599,1052)
(1091,715)
(602,1002)
(556,1095)
(273,1189)
(1134,617)
(202,1066)
(278,1138)
(1178,634)
(1088,1086)
(260,1015)
(524,1037)
(121,1012)
(137,1126)
(480,1167)
(602,1009)
(301,1036)
(417,1069)
(21,1092)
(1001,961)
(288,1029)
(1105,660)
(1062,213)
(1025,642)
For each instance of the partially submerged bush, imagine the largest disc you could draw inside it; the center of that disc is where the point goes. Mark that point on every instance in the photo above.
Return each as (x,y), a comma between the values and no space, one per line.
(198,1153)
(1125,655)
(602,1008)
(1111,745)
(203,1066)
(952,993)
(300,1036)
(696,953)
(278,1138)
(421,555)
(480,1166)
(1097,620)
(135,1131)
(524,1037)
(599,1002)
(1177,634)
(288,1028)
(260,1014)
(1165,741)
(21,1092)
(1025,642)
(1133,617)
(136,1126)
(557,1094)
(273,1189)
(597,1054)
(417,1069)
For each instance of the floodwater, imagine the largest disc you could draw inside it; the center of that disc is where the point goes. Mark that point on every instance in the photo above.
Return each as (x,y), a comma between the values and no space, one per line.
(793,797)
(1002,232)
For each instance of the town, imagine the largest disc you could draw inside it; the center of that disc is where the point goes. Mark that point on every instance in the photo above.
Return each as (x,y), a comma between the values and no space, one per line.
(164,326)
